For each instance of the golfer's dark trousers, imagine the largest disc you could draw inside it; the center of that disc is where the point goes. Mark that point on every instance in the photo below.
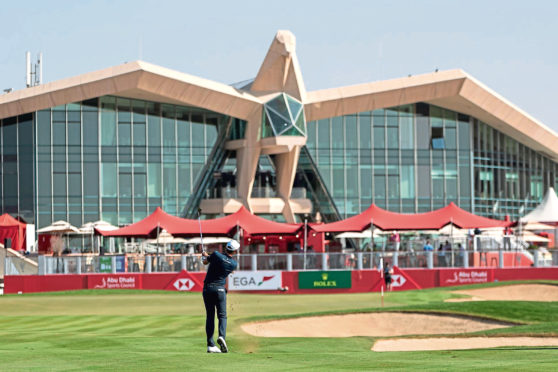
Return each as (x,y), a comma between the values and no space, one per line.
(215,297)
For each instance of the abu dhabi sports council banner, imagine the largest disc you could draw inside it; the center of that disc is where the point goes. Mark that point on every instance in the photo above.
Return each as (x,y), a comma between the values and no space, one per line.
(255,281)
(451,277)
(324,279)
(114,281)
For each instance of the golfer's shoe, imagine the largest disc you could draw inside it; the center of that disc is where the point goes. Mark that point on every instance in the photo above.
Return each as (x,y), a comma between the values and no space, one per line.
(213,349)
(223,344)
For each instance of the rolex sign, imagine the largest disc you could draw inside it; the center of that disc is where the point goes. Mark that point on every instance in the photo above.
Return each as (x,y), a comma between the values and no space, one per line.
(324,279)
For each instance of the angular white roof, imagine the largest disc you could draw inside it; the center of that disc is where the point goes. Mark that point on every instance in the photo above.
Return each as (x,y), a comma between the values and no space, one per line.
(547,211)
(454,90)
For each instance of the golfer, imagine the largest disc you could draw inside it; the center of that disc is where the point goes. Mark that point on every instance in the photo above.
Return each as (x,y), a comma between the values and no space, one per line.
(215,294)
(387,276)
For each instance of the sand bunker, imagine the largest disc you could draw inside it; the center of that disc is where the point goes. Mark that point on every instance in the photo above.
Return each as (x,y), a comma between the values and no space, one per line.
(446,343)
(520,292)
(371,324)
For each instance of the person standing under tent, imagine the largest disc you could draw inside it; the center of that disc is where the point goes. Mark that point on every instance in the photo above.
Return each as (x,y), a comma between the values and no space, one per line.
(396,240)
(448,253)
(387,276)
(215,294)
(427,246)
(507,238)
(441,256)
(462,253)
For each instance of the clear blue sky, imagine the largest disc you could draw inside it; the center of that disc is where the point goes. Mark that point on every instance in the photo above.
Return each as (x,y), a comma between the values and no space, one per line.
(511,46)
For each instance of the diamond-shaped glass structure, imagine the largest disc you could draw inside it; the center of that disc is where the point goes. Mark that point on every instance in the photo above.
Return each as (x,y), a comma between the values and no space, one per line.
(283,116)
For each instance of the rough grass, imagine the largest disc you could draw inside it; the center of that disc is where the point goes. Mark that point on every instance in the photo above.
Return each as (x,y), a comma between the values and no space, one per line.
(133,330)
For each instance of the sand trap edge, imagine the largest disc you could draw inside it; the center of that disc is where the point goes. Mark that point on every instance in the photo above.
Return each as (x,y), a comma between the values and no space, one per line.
(460,343)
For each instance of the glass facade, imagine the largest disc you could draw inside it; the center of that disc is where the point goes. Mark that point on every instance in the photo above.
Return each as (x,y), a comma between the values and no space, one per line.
(510,178)
(117,159)
(16,170)
(420,157)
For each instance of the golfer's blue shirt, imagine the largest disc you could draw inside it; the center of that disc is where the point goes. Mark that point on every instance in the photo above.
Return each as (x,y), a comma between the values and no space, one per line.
(220,266)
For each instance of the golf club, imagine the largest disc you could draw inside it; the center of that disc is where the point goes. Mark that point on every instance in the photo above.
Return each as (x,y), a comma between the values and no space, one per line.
(199,223)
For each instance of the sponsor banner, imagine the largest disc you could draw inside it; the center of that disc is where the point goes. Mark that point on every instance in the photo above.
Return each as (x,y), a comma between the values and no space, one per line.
(184,282)
(255,281)
(114,281)
(105,264)
(120,264)
(449,277)
(324,279)
(400,281)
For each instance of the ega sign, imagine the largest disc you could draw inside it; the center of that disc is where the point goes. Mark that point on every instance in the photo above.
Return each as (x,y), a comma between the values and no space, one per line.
(255,280)
(324,279)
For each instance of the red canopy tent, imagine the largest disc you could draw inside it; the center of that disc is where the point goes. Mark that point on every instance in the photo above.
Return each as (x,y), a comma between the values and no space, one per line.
(248,222)
(12,229)
(147,227)
(387,220)
(227,225)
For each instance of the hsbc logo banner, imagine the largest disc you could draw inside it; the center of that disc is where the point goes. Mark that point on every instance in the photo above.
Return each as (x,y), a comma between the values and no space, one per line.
(400,281)
(255,281)
(397,280)
(184,282)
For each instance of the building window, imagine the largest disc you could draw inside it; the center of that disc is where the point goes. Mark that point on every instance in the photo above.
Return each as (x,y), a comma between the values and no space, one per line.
(437,138)
(283,116)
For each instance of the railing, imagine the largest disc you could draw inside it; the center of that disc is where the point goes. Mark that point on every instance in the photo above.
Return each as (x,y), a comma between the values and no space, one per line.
(263,192)
(257,192)
(83,264)
(221,193)
(298,193)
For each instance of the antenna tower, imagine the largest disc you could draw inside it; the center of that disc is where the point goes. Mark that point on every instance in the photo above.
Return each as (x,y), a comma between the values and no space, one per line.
(33,72)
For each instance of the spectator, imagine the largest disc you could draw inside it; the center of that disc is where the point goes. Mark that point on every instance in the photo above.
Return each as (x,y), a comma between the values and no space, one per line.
(350,261)
(461,256)
(387,276)
(396,240)
(447,252)
(441,256)
(477,239)
(427,246)
(311,258)
(507,238)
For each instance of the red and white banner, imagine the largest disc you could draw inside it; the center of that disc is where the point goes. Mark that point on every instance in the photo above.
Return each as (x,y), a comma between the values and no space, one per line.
(450,277)
(362,280)
(399,281)
(184,282)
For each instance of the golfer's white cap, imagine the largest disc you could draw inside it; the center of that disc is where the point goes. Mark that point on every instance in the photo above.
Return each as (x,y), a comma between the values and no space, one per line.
(233,245)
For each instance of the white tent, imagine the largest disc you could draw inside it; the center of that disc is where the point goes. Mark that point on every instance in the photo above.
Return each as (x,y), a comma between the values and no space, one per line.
(165,238)
(99,225)
(453,231)
(528,236)
(358,235)
(537,226)
(59,227)
(208,240)
(547,211)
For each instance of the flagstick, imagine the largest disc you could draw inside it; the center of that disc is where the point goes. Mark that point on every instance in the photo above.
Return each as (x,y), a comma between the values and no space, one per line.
(382,279)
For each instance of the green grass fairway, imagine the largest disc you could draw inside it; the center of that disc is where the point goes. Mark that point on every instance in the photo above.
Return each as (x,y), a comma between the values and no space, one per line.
(151,330)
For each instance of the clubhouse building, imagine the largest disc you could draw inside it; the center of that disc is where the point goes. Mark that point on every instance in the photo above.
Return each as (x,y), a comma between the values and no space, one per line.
(115,144)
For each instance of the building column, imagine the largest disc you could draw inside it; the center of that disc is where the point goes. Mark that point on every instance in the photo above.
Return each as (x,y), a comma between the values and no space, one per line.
(246,163)
(285,170)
